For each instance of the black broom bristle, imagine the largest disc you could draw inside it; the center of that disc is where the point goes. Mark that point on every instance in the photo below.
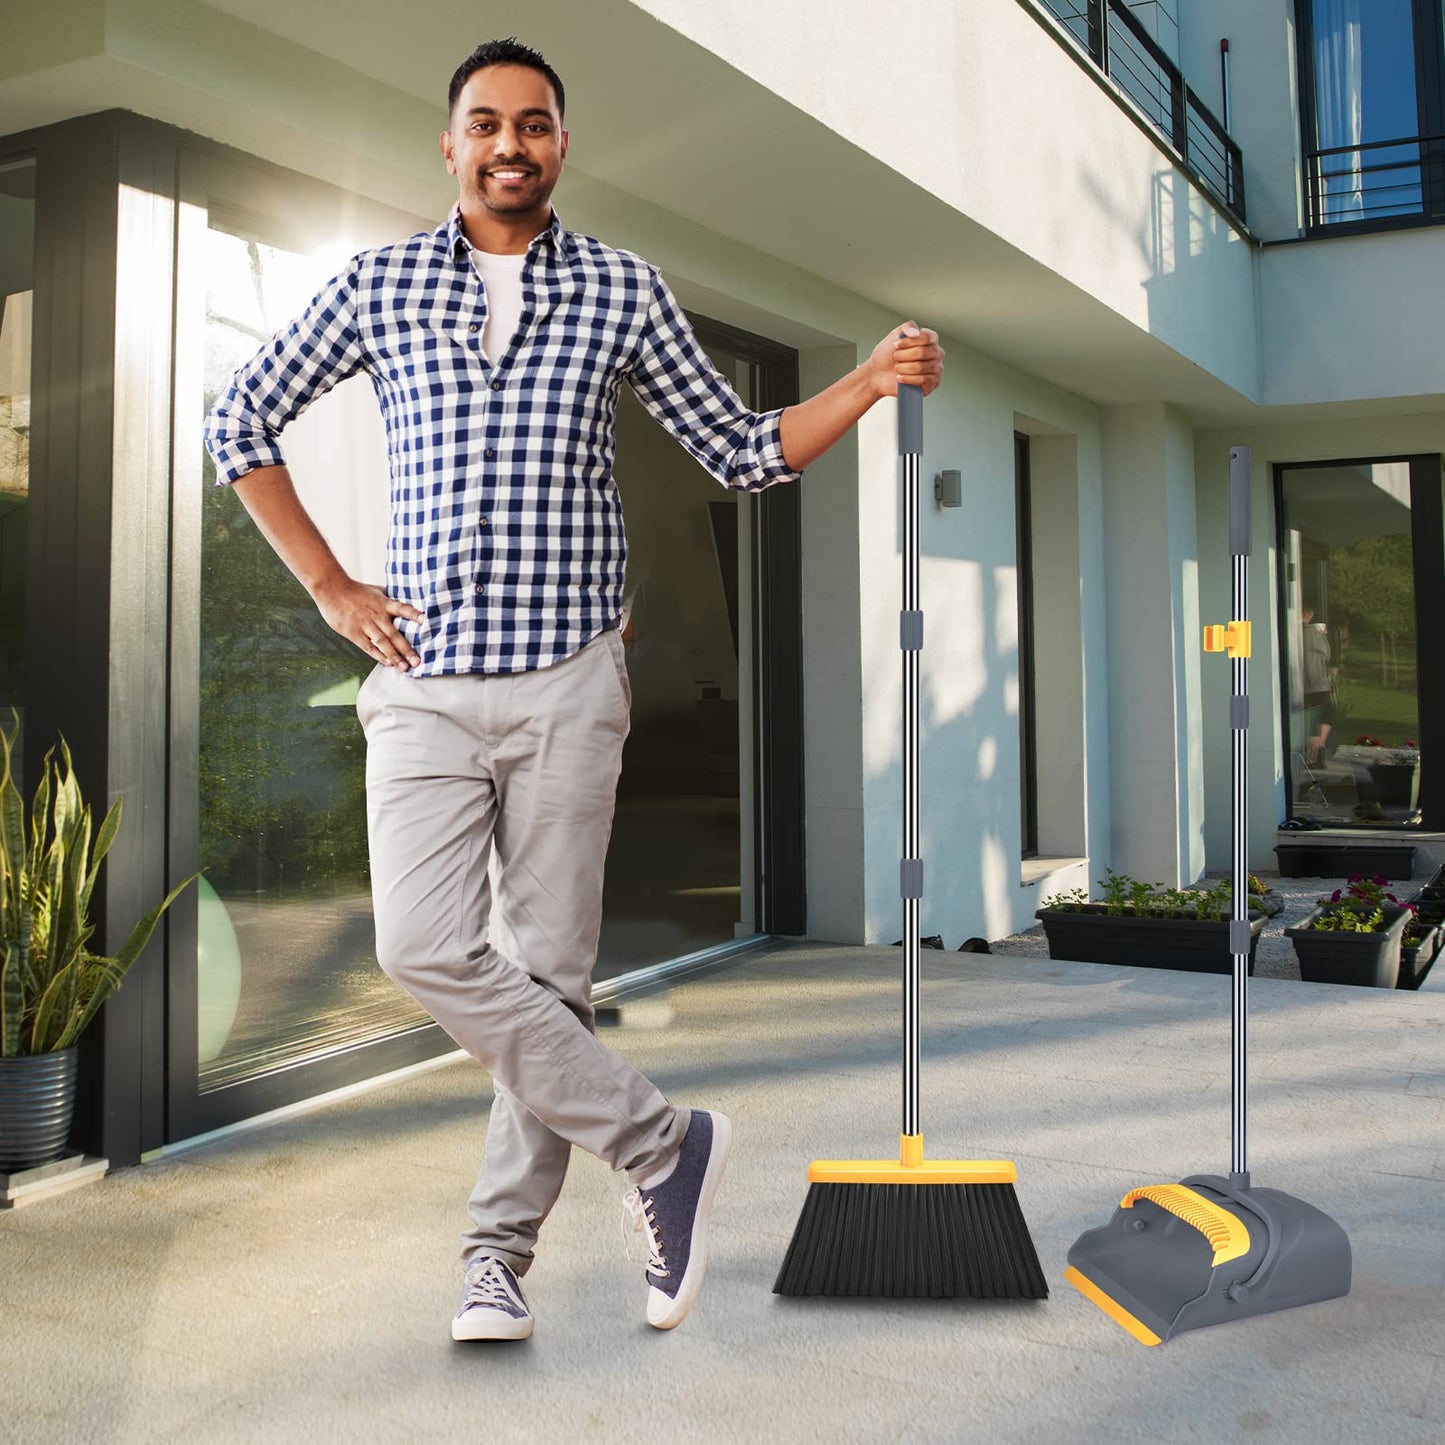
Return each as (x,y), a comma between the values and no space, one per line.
(912,1241)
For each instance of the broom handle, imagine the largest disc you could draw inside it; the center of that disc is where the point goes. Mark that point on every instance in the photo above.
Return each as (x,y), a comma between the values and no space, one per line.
(910,639)
(1240,462)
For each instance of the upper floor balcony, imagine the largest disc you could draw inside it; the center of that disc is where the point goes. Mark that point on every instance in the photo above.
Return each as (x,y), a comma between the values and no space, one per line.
(1119,44)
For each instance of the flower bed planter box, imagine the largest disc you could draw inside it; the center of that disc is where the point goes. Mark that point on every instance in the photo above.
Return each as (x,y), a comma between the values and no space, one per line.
(1301,859)
(1415,962)
(1396,785)
(1433,888)
(1367,960)
(1092,935)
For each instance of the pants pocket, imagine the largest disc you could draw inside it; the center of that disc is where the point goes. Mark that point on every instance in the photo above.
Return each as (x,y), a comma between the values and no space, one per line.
(618,649)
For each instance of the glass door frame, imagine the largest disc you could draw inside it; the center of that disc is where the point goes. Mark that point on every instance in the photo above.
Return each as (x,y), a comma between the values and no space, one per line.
(1427,550)
(775,519)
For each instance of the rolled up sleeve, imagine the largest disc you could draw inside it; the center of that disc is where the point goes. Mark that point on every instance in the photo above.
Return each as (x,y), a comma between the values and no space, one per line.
(686,394)
(320,348)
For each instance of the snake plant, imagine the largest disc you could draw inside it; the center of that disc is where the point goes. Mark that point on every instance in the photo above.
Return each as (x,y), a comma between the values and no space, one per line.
(51,984)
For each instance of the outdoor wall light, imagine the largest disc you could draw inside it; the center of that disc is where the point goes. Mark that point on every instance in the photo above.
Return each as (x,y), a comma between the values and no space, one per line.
(948,489)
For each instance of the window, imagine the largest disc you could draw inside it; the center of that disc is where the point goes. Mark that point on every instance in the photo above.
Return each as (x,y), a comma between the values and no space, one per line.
(1372,73)
(1358,568)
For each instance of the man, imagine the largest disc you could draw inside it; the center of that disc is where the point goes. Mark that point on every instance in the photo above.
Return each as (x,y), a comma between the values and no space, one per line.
(497,710)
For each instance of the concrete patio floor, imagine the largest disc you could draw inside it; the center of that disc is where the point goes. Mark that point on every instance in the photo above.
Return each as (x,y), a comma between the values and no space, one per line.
(295,1282)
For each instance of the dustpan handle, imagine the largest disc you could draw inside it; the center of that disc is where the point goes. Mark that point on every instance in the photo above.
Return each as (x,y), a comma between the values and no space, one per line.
(910,640)
(1241,461)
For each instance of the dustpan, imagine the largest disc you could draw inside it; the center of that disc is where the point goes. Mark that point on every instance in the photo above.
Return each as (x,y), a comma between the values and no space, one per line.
(1212,1248)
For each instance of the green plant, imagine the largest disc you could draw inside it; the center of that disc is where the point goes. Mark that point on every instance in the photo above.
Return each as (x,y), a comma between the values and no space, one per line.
(1349,920)
(1359,907)
(51,984)
(1126,897)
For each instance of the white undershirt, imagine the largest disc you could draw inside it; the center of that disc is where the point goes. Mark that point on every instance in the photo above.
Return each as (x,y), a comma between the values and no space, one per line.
(502,282)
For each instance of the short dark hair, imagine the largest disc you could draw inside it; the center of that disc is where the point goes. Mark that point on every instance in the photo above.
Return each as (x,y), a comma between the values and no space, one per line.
(510,51)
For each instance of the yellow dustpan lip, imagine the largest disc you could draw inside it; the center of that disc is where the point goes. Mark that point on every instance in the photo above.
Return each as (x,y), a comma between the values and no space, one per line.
(1112,1308)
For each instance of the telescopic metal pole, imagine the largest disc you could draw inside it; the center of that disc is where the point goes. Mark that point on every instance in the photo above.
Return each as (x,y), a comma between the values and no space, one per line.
(910,639)
(1240,462)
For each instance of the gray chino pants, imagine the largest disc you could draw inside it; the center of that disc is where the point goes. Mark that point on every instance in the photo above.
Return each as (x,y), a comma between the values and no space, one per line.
(526,763)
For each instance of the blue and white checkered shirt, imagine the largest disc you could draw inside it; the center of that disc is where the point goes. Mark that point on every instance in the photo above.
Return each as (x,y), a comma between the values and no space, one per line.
(506,526)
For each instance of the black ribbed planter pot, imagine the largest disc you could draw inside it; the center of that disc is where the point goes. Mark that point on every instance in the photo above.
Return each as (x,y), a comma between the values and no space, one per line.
(37,1099)
(1367,960)
(1415,962)
(1092,935)
(1300,858)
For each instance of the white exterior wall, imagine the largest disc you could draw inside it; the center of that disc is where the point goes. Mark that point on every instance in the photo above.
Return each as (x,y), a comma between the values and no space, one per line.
(1352,318)
(1008,132)
(1003,125)
(1263,112)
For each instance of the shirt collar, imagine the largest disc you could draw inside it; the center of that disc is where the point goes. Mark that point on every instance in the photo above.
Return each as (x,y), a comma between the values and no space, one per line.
(556,236)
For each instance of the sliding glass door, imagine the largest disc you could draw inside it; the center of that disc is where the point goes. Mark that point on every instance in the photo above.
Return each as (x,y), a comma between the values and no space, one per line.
(263,691)
(1361,584)
(17,292)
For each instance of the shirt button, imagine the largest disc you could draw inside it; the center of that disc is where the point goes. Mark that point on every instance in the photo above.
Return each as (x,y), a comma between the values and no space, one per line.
(496,386)
(480,589)
(490,452)
(472,327)
(483,522)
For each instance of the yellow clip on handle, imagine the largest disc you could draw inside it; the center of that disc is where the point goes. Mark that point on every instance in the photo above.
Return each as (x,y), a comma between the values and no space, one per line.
(1225,1232)
(1235,639)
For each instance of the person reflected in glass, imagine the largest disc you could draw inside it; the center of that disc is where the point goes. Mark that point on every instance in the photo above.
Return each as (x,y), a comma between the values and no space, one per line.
(1316,663)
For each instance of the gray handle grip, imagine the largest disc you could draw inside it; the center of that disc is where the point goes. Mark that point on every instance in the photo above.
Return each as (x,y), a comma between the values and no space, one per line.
(910,419)
(1241,461)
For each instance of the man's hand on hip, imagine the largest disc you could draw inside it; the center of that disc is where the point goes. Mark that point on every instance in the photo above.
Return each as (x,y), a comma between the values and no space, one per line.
(363,614)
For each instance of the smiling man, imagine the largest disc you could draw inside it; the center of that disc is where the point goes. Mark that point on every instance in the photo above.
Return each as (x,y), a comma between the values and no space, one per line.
(497,710)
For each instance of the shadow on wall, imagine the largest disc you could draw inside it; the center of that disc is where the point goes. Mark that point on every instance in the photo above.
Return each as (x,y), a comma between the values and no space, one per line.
(968,771)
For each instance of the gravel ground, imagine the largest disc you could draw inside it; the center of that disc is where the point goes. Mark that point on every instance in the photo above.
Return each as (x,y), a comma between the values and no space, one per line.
(1274,957)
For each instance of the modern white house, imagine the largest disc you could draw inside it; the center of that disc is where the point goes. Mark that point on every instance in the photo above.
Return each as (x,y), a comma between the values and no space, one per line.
(1146,232)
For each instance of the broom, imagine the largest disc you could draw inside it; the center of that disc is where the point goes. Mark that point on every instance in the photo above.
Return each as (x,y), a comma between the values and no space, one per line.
(915,1228)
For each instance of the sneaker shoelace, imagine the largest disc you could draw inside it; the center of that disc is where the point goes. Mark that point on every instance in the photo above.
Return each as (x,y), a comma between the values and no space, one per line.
(489,1287)
(638,1210)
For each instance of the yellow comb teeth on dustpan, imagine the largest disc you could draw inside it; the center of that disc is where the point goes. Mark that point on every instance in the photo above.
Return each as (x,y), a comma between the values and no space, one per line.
(911,1228)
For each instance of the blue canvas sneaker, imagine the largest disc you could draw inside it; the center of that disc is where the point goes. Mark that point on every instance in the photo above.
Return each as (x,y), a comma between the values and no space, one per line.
(493,1306)
(674,1218)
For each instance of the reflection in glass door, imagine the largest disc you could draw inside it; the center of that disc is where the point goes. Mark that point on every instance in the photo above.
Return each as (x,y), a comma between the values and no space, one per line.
(17,257)
(682,869)
(1352,676)
(285,946)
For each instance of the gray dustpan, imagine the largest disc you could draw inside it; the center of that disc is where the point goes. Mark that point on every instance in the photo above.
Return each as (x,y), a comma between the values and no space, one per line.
(1212,1248)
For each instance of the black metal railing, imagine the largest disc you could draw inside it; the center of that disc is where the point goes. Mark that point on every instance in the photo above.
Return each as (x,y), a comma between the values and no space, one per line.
(1108,32)
(1376,181)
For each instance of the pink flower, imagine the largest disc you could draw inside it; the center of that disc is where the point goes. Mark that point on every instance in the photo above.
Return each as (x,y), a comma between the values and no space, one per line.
(1335,896)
